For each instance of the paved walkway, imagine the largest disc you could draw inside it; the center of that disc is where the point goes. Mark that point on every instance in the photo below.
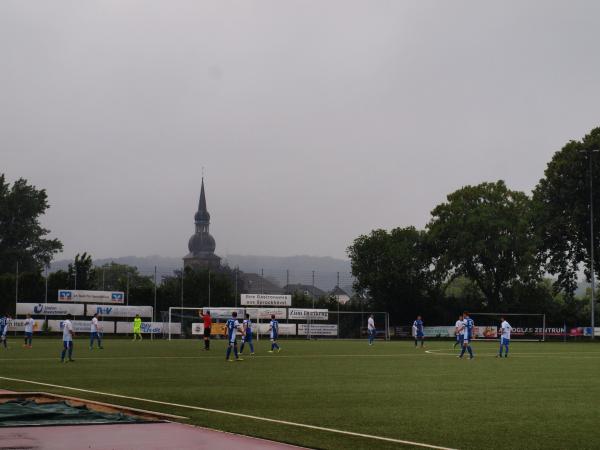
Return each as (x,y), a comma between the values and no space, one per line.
(158,436)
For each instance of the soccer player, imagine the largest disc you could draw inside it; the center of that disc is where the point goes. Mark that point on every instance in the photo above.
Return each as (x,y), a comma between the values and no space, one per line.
(95,332)
(247,335)
(505,330)
(68,335)
(273,333)
(4,322)
(207,320)
(28,331)
(137,327)
(418,331)
(371,329)
(458,331)
(232,326)
(468,329)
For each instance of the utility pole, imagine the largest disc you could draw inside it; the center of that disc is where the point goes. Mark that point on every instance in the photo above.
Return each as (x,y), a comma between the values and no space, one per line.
(593,273)
(154,309)
(46,290)
(127,289)
(235,287)
(17,288)
(313,289)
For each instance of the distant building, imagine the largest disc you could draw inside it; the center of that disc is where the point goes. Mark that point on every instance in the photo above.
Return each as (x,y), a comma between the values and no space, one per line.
(340,295)
(202,245)
(253,283)
(304,289)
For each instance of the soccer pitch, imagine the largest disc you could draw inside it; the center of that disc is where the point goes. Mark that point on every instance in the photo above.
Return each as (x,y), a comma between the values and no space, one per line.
(545,395)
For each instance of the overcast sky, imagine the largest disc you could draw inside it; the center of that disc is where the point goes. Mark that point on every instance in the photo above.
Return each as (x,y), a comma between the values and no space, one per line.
(316,121)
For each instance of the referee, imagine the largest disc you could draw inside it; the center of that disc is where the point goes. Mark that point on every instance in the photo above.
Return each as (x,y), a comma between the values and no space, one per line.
(207,322)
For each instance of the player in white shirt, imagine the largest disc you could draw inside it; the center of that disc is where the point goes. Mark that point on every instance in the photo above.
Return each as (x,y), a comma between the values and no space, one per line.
(505,330)
(28,331)
(458,331)
(4,323)
(371,329)
(68,335)
(95,332)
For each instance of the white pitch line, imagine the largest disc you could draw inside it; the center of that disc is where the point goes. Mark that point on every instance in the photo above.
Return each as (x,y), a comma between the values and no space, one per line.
(245,416)
(581,355)
(102,358)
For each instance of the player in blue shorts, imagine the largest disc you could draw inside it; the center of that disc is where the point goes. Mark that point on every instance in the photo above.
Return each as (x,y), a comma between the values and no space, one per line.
(247,336)
(68,335)
(418,331)
(232,326)
(505,330)
(468,330)
(458,331)
(4,322)
(273,333)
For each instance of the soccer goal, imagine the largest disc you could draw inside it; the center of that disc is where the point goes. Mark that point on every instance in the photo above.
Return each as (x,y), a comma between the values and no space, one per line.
(525,327)
(325,325)
(191,322)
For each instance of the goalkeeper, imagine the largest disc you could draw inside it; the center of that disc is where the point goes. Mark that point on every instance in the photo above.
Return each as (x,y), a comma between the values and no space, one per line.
(137,327)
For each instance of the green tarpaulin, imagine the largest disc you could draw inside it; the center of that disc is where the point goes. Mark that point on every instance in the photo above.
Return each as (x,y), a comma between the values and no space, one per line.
(19,413)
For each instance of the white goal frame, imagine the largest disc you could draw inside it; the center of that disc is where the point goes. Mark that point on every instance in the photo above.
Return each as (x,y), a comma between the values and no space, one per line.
(542,316)
(363,314)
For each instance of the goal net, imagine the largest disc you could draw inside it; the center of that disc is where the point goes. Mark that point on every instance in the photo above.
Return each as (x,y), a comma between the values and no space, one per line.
(525,327)
(324,325)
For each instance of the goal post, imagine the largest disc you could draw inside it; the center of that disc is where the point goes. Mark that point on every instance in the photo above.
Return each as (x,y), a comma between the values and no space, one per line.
(332,325)
(525,326)
(189,316)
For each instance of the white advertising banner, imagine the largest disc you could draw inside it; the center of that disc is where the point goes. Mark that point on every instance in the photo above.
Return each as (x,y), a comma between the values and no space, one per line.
(284,328)
(49,309)
(317,329)
(265,300)
(305,314)
(266,313)
(438,331)
(486,332)
(222,313)
(82,326)
(118,310)
(19,325)
(198,329)
(65,295)
(149,327)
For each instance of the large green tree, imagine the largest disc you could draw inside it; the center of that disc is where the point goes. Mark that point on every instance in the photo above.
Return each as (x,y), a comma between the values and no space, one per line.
(82,272)
(22,238)
(485,233)
(562,210)
(392,269)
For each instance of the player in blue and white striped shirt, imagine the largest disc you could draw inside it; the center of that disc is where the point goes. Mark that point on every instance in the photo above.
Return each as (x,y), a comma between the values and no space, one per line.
(4,322)
(247,336)
(468,334)
(232,326)
(418,333)
(273,333)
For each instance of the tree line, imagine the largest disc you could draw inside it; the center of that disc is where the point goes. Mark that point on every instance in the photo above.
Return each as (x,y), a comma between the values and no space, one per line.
(486,248)
(489,248)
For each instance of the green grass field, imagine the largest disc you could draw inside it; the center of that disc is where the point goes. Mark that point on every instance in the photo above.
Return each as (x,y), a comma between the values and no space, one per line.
(545,395)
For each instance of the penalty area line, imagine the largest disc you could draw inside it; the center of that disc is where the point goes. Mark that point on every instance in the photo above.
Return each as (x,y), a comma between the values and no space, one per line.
(229,413)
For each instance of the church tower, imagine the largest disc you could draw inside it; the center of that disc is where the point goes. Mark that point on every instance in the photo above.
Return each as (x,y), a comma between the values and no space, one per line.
(202,245)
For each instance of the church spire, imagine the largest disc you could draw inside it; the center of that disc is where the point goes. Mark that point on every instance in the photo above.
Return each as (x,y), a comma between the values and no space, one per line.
(202,244)
(202,217)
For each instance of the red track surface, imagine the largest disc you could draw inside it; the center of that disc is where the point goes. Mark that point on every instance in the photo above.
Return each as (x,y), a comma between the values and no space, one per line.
(129,437)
